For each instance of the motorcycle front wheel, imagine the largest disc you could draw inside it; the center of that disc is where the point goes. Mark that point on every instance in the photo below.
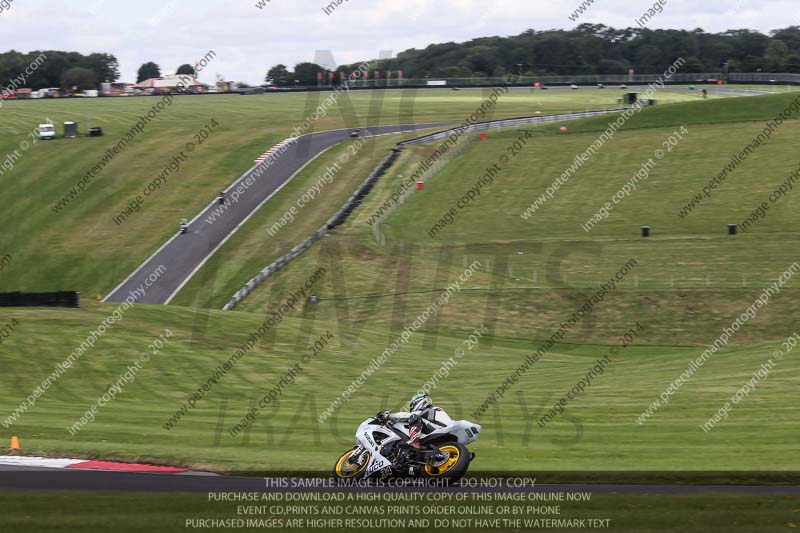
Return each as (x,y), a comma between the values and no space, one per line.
(344,469)
(454,466)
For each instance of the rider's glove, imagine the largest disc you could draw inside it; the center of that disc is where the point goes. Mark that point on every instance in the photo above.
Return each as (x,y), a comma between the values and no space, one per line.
(413,419)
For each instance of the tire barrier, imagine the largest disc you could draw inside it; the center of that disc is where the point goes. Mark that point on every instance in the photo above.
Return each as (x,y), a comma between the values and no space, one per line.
(40,299)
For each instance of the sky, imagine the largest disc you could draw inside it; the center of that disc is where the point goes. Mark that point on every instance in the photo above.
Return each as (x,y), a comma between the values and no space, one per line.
(248,39)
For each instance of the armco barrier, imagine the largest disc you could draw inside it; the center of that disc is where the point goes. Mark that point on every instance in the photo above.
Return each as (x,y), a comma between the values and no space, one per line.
(768,78)
(509,123)
(40,299)
(528,81)
(344,212)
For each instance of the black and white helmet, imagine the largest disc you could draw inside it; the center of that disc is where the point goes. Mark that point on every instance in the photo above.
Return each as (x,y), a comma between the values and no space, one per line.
(420,402)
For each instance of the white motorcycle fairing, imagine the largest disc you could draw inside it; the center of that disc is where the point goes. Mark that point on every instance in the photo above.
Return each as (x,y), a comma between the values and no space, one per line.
(464,431)
(374,437)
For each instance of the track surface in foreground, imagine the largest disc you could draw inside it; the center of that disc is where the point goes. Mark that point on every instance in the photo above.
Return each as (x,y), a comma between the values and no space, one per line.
(33,478)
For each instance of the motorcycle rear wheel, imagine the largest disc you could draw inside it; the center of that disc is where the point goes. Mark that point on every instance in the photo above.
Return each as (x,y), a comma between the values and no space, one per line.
(454,467)
(343,469)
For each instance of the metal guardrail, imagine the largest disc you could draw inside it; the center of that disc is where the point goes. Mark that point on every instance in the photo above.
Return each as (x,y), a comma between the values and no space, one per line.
(510,123)
(530,80)
(764,77)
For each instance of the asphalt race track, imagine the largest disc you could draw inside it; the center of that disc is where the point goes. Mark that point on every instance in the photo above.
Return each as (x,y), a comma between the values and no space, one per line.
(34,478)
(184,254)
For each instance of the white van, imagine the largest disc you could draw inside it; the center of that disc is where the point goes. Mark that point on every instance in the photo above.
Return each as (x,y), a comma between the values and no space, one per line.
(47,131)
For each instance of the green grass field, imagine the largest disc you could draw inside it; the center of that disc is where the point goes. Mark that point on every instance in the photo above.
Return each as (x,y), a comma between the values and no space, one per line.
(691,281)
(598,433)
(692,278)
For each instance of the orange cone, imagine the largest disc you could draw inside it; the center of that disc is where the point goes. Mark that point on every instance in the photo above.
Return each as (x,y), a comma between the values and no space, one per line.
(14,443)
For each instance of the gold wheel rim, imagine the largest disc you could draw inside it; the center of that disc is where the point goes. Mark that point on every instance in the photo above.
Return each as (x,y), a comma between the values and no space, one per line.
(449,463)
(340,464)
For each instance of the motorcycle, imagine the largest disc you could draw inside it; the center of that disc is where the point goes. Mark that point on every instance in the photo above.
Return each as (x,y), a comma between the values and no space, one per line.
(382,451)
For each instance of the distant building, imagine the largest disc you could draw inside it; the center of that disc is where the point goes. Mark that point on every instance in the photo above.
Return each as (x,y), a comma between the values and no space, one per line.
(172,83)
(117,89)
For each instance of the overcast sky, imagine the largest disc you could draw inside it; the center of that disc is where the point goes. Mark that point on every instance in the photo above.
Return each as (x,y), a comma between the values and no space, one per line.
(249,40)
